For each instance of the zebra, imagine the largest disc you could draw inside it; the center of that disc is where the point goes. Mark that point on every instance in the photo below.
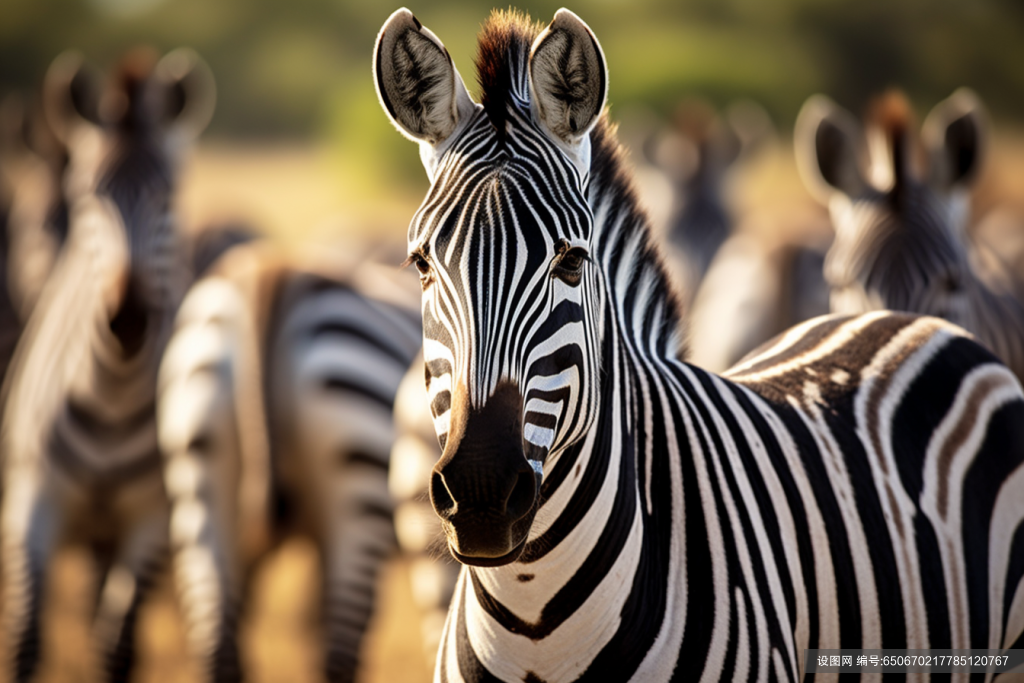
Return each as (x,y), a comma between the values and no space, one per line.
(901,229)
(740,281)
(33,210)
(754,289)
(432,577)
(697,154)
(275,417)
(80,454)
(621,514)
(695,157)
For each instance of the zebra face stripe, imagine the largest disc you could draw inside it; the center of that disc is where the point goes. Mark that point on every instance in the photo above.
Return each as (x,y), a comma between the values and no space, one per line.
(503,264)
(509,295)
(511,302)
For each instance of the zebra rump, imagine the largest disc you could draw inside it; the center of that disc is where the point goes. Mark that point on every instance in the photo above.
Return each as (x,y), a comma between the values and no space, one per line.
(275,418)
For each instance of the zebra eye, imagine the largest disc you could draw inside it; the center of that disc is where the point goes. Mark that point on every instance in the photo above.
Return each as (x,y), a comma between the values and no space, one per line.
(422,265)
(568,263)
(573,259)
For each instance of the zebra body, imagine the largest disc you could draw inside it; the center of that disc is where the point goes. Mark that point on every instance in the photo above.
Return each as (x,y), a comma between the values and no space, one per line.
(623,515)
(901,231)
(81,462)
(753,290)
(275,418)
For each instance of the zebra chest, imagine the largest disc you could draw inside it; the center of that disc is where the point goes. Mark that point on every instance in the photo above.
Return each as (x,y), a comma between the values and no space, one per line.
(105,433)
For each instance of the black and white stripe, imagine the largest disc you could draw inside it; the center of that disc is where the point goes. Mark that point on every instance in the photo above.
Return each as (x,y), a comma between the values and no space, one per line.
(856,483)
(275,417)
(901,234)
(33,212)
(81,461)
(432,572)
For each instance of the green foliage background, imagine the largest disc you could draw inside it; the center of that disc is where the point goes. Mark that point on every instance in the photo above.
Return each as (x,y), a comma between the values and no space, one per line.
(300,69)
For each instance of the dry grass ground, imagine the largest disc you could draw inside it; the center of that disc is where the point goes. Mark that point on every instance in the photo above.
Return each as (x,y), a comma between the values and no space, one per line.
(280,637)
(299,194)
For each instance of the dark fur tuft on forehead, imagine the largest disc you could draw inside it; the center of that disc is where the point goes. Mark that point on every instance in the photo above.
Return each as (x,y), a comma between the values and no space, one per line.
(125,100)
(502,60)
(892,114)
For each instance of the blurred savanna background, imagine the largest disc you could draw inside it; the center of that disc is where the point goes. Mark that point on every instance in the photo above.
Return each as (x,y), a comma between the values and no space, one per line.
(299,149)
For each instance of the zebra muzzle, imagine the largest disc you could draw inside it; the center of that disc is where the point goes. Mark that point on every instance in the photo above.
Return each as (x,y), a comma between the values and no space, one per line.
(483,488)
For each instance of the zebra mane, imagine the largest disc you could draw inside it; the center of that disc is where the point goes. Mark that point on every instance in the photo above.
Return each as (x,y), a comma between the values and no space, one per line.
(502,63)
(135,162)
(622,230)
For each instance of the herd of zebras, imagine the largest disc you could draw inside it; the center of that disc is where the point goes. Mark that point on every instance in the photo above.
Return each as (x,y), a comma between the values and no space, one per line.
(618,513)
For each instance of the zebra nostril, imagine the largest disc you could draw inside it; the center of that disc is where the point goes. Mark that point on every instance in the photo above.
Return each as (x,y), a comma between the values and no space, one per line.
(441,497)
(521,498)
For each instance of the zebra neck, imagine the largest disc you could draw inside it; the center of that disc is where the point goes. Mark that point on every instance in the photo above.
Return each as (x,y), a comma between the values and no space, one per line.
(599,535)
(639,294)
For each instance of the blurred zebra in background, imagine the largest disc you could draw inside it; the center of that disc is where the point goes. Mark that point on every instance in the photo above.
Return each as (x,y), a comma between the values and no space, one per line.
(742,279)
(81,463)
(696,153)
(275,417)
(755,288)
(33,210)
(432,572)
(901,238)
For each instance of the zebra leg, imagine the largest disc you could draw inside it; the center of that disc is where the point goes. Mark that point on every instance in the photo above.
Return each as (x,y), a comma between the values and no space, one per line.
(29,523)
(140,558)
(337,459)
(360,539)
(199,442)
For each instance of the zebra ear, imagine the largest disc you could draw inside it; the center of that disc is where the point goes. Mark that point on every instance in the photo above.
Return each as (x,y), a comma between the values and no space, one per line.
(71,94)
(954,135)
(568,78)
(418,84)
(189,91)
(826,145)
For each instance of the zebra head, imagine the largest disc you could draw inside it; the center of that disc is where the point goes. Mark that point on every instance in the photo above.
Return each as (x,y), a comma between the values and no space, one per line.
(900,216)
(125,139)
(511,300)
